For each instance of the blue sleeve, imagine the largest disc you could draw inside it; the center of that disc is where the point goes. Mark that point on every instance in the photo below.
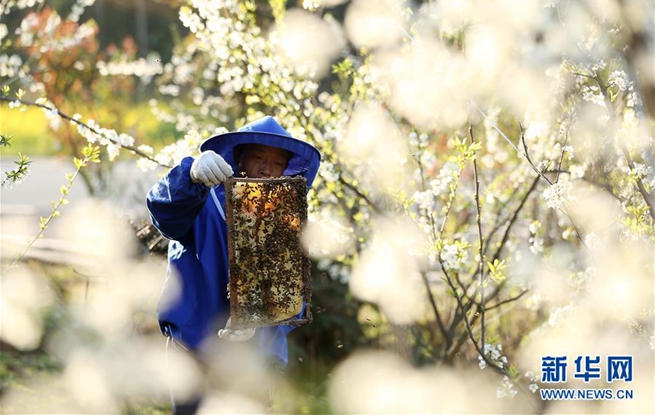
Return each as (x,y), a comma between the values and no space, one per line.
(175,201)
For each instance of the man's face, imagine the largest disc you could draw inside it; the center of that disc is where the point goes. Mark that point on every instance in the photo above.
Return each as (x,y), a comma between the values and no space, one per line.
(259,161)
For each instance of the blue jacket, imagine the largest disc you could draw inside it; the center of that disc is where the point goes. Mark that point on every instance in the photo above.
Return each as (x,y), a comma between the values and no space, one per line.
(194,302)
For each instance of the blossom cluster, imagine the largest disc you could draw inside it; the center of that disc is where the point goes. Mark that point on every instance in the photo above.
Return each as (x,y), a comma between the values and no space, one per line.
(109,138)
(172,154)
(455,255)
(145,69)
(493,353)
(533,379)
(7,5)
(558,193)
(78,8)
(506,389)
(50,35)
(11,66)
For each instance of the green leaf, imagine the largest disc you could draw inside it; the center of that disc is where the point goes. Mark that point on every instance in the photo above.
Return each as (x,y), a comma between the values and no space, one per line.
(78,163)
(513,372)
(87,150)
(5,140)
(491,267)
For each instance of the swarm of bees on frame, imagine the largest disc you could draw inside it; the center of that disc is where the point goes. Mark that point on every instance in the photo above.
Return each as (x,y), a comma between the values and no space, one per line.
(269,272)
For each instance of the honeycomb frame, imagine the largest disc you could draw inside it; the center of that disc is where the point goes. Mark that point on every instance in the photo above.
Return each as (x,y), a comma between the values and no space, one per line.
(268,268)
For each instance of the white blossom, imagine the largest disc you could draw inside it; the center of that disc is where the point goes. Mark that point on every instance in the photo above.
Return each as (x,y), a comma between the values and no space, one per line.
(569,152)
(146,149)
(559,315)
(190,19)
(632,99)
(506,390)
(146,165)
(454,256)
(641,170)
(145,69)
(113,151)
(172,90)
(536,245)
(425,200)
(311,5)
(578,171)
(620,80)
(557,193)
(7,5)
(493,353)
(10,65)
(592,241)
(592,94)
(54,120)
(125,140)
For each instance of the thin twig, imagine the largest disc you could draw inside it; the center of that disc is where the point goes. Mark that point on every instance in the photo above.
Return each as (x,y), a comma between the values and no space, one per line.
(541,174)
(509,300)
(589,180)
(93,130)
(527,155)
(433,304)
(53,215)
(498,222)
(648,199)
(561,159)
(435,309)
(513,219)
(495,127)
(510,223)
(304,123)
(478,221)
(350,186)
(460,305)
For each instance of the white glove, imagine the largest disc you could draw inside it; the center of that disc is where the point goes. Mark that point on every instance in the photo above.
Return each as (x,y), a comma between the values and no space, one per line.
(210,169)
(235,335)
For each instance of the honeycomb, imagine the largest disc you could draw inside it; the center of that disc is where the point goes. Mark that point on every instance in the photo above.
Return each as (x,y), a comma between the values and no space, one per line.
(269,271)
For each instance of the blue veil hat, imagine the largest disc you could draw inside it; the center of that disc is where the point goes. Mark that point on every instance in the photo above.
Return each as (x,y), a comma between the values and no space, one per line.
(305,158)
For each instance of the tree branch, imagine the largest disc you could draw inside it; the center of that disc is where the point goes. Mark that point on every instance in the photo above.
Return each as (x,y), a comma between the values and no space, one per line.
(648,199)
(509,300)
(426,283)
(78,122)
(513,219)
(478,221)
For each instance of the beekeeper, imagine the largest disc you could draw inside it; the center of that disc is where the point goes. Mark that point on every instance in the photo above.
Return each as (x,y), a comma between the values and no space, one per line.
(187,206)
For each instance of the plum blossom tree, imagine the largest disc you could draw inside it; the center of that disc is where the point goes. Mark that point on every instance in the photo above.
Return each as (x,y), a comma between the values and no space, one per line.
(486,182)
